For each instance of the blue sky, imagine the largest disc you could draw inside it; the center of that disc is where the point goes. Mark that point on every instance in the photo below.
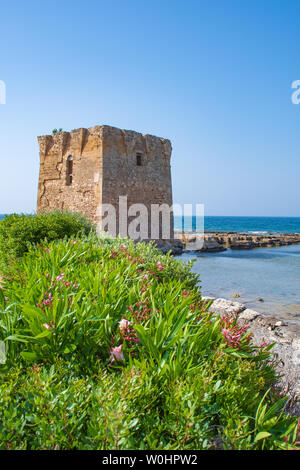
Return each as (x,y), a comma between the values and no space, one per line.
(213,76)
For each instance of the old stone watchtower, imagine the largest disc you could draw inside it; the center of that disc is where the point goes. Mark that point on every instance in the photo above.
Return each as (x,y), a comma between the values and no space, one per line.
(86,168)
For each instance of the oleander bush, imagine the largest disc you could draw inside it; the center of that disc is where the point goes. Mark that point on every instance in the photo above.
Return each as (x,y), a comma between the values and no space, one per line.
(110,346)
(17,232)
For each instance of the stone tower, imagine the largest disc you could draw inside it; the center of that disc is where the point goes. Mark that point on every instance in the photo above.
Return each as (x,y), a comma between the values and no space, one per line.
(84,169)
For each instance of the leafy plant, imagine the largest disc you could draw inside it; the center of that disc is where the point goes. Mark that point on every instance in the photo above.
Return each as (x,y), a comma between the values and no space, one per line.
(17,232)
(110,346)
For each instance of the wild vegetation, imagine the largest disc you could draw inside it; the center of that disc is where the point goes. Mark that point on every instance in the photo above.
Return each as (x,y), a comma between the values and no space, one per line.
(110,346)
(18,232)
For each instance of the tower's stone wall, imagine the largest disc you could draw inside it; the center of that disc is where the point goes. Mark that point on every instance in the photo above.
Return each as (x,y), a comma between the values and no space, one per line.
(105,166)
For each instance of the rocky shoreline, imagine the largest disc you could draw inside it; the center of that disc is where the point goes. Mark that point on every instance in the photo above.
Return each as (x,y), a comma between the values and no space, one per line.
(286,350)
(221,241)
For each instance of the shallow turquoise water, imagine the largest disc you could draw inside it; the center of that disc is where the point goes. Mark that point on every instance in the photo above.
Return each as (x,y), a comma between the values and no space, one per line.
(269,273)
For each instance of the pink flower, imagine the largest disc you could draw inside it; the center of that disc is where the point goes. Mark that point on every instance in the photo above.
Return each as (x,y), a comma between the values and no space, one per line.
(263,344)
(124,324)
(49,327)
(48,301)
(116,353)
(160,266)
(234,335)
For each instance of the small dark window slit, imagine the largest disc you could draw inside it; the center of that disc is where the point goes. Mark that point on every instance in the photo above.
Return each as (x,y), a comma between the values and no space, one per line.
(138,159)
(69,170)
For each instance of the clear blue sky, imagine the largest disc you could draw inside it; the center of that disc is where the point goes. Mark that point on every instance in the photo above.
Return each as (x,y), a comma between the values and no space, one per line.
(213,76)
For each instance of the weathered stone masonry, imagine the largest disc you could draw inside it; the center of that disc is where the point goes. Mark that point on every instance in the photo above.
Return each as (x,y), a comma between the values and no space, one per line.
(105,163)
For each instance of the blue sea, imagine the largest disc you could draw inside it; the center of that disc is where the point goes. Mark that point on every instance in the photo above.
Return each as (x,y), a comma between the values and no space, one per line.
(272,274)
(240,224)
(237,224)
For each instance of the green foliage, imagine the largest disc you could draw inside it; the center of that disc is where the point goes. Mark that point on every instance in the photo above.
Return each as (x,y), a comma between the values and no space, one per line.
(18,231)
(177,385)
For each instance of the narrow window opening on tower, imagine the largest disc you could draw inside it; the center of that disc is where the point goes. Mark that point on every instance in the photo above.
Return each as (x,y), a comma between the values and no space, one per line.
(138,159)
(69,170)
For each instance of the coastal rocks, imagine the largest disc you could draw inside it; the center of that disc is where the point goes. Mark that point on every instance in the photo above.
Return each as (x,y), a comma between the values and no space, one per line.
(248,315)
(207,299)
(173,245)
(242,245)
(223,306)
(220,241)
(211,246)
(285,352)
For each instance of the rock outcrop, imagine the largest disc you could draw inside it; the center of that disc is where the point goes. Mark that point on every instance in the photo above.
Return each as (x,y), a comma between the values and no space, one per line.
(220,241)
(175,246)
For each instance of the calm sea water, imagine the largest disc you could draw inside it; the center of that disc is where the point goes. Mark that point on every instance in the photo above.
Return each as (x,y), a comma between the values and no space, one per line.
(272,274)
(238,224)
(241,224)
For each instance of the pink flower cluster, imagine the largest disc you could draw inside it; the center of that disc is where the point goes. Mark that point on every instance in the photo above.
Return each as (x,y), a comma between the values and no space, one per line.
(61,278)
(128,332)
(123,250)
(160,266)
(116,354)
(48,297)
(129,335)
(47,300)
(187,293)
(234,335)
(145,282)
(140,311)
(227,321)
(124,324)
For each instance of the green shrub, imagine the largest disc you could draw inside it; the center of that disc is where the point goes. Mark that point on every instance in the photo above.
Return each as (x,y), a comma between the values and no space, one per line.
(178,384)
(18,231)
